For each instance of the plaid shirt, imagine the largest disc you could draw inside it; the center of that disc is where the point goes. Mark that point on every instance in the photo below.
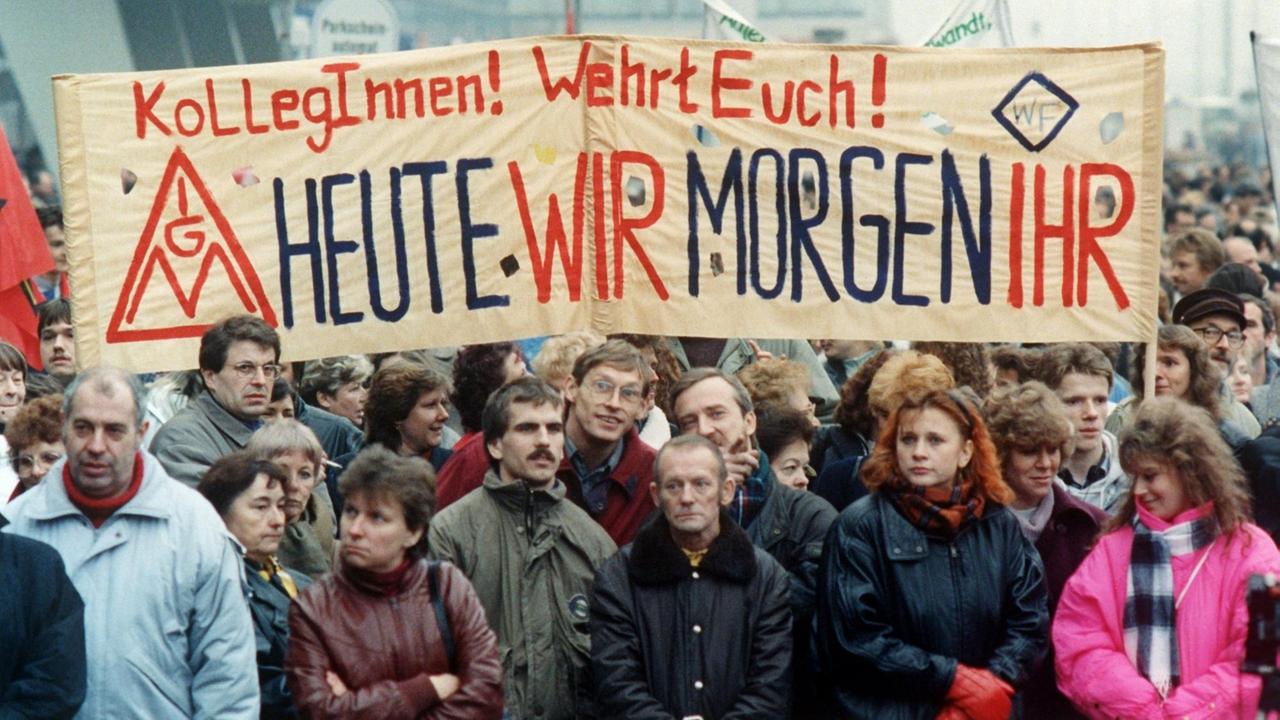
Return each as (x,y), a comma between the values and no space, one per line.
(749,497)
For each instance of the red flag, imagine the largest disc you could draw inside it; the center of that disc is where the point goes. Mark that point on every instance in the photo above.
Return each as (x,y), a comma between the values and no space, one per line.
(24,253)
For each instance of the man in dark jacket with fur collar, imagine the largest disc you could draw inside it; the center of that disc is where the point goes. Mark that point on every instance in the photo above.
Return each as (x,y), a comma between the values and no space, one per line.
(691,620)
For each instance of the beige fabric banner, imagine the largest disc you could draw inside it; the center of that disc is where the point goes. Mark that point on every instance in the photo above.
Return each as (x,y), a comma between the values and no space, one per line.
(533,186)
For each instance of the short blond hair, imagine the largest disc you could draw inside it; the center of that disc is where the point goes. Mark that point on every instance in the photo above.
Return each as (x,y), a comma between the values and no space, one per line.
(554,361)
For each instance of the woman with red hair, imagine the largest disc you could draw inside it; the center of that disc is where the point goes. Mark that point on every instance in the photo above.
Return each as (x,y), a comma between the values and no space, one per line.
(931,602)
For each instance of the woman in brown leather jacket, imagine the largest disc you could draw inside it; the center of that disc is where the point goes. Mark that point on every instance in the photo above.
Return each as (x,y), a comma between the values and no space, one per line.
(389,635)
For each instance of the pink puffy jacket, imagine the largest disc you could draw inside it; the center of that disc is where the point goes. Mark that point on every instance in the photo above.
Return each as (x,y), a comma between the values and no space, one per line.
(1088,631)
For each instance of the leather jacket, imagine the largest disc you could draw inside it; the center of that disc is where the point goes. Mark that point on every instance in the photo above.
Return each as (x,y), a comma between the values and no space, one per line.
(384,648)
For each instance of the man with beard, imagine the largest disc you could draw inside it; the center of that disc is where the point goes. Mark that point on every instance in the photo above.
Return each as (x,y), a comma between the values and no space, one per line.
(239,362)
(531,555)
(1217,316)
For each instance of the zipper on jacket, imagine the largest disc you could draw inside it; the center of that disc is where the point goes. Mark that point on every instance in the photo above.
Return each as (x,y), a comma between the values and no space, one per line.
(528,513)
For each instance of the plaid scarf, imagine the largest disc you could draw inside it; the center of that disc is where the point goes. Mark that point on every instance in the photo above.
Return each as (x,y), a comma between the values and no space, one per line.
(750,496)
(1150,639)
(936,510)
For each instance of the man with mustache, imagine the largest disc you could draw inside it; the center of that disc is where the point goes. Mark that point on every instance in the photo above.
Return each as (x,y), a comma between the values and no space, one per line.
(1217,316)
(1080,374)
(531,555)
(607,468)
(239,362)
(167,633)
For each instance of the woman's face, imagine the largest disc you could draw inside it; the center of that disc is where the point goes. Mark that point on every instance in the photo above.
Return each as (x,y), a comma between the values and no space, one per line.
(13,391)
(1030,474)
(1158,487)
(1173,373)
(423,428)
(789,464)
(302,475)
(374,534)
(35,460)
(931,447)
(348,401)
(256,518)
(1241,380)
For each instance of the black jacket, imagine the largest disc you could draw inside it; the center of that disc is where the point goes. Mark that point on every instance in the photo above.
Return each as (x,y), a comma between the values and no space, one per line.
(670,641)
(42,660)
(269,606)
(897,609)
(1260,460)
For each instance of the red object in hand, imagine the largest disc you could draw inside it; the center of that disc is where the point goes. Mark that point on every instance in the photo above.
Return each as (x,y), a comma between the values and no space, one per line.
(980,694)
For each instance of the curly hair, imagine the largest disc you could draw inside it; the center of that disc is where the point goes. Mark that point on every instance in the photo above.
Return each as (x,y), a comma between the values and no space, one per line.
(983,469)
(910,372)
(38,421)
(1027,417)
(773,382)
(393,392)
(1203,390)
(968,362)
(328,375)
(853,413)
(1021,361)
(777,426)
(478,370)
(1185,439)
(554,362)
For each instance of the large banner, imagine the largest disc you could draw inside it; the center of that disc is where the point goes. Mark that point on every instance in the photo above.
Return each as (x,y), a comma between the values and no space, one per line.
(682,187)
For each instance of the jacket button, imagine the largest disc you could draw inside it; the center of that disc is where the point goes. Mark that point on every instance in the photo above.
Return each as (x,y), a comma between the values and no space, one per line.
(697,629)
(919,549)
(696,575)
(697,684)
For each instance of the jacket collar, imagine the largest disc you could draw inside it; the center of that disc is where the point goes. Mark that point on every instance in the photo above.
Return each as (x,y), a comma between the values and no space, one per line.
(904,541)
(515,495)
(151,501)
(657,560)
(622,474)
(233,426)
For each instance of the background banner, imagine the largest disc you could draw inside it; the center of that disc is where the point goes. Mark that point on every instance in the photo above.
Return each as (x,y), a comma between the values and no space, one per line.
(533,186)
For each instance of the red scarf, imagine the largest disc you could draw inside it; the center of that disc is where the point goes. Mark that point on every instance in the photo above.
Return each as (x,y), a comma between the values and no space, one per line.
(937,510)
(99,509)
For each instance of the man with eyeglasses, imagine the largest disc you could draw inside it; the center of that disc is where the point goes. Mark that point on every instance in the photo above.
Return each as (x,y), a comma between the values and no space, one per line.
(1217,316)
(239,362)
(607,468)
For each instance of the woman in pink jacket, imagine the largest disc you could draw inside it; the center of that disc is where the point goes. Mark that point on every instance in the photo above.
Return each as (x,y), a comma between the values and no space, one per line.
(1153,623)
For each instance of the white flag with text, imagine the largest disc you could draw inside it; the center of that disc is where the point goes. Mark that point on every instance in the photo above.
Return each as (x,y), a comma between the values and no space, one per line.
(975,24)
(722,22)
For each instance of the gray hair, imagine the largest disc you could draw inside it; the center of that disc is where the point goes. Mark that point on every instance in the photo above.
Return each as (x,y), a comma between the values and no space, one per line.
(328,375)
(697,375)
(106,380)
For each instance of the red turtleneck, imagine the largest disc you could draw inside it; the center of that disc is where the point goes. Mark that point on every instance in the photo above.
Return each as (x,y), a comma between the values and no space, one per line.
(388,584)
(99,509)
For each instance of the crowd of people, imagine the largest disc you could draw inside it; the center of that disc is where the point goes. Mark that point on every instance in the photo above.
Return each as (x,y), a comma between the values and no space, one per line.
(645,527)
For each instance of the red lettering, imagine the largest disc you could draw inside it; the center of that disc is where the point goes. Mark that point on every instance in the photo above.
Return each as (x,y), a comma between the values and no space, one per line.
(283,101)
(188,104)
(623,228)
(631,72)
(218,131)
(655,77)
(1016,192)
(144,110)
(563,85)
(766,94)
(837,88)
(599,78)
(570,259)
(681,80)
(597,215)
(440,87)
(811,120)
(721,82)
(345,118)
(1066,231)
(248,110)
(1089,236)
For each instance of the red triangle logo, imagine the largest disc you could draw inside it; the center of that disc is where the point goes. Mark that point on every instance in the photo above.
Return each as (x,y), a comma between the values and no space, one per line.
(196,246)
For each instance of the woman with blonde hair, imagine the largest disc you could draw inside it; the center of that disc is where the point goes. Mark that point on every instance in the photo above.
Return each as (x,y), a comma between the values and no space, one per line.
(1153,623)
(1033,435)
(307,545)
(931,602)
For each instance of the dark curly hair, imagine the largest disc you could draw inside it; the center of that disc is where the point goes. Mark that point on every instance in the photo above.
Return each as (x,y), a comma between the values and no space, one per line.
(477,372)
(968,362)
(853,412)
(393,392)
(1203,390)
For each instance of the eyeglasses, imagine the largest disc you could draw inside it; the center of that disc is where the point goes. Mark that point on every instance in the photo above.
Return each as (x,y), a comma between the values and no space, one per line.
(27,463)
(602,390)
(247,370)
(1212,334)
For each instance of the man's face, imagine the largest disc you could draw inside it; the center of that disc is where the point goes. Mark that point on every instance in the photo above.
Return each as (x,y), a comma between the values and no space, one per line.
(57,239)
(690,493)
(1182,220)
(709,409)
(102,438)
(1242,251)
(58,350)
(605,406)
(1222,334)
(1255,333)
(531,449)
(1086,399)
(243,385)
(1186,274)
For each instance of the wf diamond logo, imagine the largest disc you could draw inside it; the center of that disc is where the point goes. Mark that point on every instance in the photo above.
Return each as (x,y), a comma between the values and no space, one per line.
(1035,111)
